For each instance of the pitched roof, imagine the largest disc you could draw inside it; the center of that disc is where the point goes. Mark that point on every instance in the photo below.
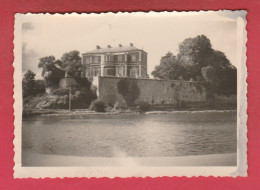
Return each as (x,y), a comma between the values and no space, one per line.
(113,50)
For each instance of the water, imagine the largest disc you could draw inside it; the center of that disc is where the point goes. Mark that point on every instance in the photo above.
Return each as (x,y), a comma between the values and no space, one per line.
(136,135)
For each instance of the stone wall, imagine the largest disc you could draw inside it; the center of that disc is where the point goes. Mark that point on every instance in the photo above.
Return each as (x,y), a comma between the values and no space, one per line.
(131,91)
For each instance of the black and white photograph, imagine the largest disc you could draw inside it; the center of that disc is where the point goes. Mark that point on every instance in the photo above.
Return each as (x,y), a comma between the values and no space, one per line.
(130,94)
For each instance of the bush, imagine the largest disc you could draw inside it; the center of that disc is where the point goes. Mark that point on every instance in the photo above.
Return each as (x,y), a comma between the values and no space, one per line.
(40,87)
(97,106)
(143,106)
(61,91)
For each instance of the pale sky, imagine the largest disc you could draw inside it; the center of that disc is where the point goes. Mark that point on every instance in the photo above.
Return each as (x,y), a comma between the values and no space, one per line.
(45,35)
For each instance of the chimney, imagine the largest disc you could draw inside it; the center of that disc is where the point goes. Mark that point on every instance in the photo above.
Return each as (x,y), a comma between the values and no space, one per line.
(120,45)
(98,47)
(109,46)
(131,44)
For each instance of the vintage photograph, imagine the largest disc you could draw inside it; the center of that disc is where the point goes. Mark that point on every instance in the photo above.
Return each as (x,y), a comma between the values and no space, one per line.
(130,94)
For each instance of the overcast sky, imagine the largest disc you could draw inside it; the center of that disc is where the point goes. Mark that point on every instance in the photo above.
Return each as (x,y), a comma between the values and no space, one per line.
(45,35)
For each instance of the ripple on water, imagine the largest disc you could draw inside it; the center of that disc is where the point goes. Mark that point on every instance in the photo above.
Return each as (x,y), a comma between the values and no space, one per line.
(143,135)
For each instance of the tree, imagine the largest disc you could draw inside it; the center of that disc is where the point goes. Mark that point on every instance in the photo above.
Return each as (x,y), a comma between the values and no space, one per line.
(51,70)
(71,62)
(209,74)
(198,61)
(194,50)
(129,90)
(168,68)
(227,81)
(28,84)
(198,51)
(46,63)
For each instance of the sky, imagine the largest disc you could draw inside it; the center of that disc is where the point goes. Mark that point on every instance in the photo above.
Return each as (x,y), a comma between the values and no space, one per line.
(155,33)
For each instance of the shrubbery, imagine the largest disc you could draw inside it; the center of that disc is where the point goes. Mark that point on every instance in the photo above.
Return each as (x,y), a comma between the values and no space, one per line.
(61,92)
(32,87)
(129,90)
(198,61)
(143,106)
(97,106)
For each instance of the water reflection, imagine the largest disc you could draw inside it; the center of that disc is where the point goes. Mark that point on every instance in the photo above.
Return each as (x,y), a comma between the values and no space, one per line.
(154,135)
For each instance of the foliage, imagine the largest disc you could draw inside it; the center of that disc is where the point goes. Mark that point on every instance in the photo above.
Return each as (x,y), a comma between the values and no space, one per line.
(32,87)
(28,83)
(51,71)
(40,87)
(97,106)
(83,82)
(196,60)
(227,84)
(143,106)
(61,92)
(209,74)
(83,94)
(129,90)
(71,62)
(194,50)
(168,68)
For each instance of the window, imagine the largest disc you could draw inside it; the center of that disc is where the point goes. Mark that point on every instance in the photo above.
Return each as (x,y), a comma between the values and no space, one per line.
(133,58)
(134,72)
(144,57)
(109,72)
(96,59)
(119,71)
(108,57)
(87,60)
(120,58)
(137,71)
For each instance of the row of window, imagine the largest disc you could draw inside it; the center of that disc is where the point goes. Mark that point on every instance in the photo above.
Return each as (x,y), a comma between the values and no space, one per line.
(110,57)
(120,71)
(93,59)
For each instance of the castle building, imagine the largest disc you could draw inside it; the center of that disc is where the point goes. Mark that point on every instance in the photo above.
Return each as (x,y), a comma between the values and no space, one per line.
(121,61)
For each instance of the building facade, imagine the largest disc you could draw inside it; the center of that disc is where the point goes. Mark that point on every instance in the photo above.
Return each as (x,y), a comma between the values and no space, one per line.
(121,61)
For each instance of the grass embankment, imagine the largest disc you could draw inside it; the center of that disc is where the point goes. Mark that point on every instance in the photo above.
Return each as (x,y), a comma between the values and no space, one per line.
(33,108)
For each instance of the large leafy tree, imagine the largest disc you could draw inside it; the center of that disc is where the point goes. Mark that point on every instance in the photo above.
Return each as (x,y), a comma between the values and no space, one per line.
(31,86)
(51,70)
(194,50)
(168,68)
(71,62)
(28,84)
(197,60)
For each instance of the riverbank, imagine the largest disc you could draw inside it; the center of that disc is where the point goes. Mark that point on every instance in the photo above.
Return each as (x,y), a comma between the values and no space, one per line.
(154,110)
(34,159)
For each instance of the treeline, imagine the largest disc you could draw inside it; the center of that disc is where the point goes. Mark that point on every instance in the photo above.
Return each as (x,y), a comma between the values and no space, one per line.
(32,87)
(53,70)
(198,61)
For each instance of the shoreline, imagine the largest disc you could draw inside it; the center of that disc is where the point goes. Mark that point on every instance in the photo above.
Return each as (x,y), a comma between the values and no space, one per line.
(84,112)
(30,159)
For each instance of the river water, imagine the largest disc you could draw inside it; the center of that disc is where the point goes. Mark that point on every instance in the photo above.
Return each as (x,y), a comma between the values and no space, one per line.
(135,135)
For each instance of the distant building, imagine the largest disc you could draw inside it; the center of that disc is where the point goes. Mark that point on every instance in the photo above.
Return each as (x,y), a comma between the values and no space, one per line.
(121,61)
